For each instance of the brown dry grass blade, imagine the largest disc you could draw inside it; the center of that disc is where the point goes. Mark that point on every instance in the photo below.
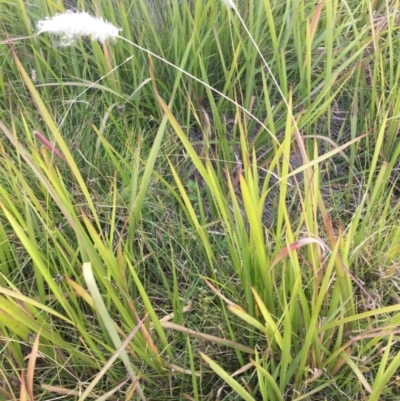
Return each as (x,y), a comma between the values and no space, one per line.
(218,293)
(296,245)
(207,337)
(23,396)
(64,391)
(31,367)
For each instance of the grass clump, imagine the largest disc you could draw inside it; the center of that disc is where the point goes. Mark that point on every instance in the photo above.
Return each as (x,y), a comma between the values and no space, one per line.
(207,209)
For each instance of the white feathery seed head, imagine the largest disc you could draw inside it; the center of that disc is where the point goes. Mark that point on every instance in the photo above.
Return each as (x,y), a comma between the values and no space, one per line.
(71,26)
(229,3)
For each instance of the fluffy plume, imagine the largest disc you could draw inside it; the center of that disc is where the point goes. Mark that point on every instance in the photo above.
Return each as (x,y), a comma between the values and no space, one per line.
(71,26)
(229,3)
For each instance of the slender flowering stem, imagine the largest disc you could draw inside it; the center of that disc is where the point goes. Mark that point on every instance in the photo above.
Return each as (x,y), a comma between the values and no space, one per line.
(17,39)
(248,113)
(70,26)
(231,4)
(93,85)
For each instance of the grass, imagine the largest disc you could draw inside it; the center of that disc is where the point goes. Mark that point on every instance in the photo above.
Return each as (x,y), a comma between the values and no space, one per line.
(221,219)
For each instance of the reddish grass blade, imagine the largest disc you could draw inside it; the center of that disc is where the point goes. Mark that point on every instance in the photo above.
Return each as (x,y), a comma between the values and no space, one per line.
(296,245)
(48,145)
(315,20)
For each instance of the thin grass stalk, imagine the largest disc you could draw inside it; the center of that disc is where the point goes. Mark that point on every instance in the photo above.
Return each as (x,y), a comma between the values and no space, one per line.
(109,325)
(53,128)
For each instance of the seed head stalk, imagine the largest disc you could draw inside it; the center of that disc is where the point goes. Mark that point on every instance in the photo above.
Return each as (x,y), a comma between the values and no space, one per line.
(71,26)
(231,4)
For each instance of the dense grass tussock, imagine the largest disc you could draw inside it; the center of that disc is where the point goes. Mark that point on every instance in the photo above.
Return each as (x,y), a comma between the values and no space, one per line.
(206,209)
